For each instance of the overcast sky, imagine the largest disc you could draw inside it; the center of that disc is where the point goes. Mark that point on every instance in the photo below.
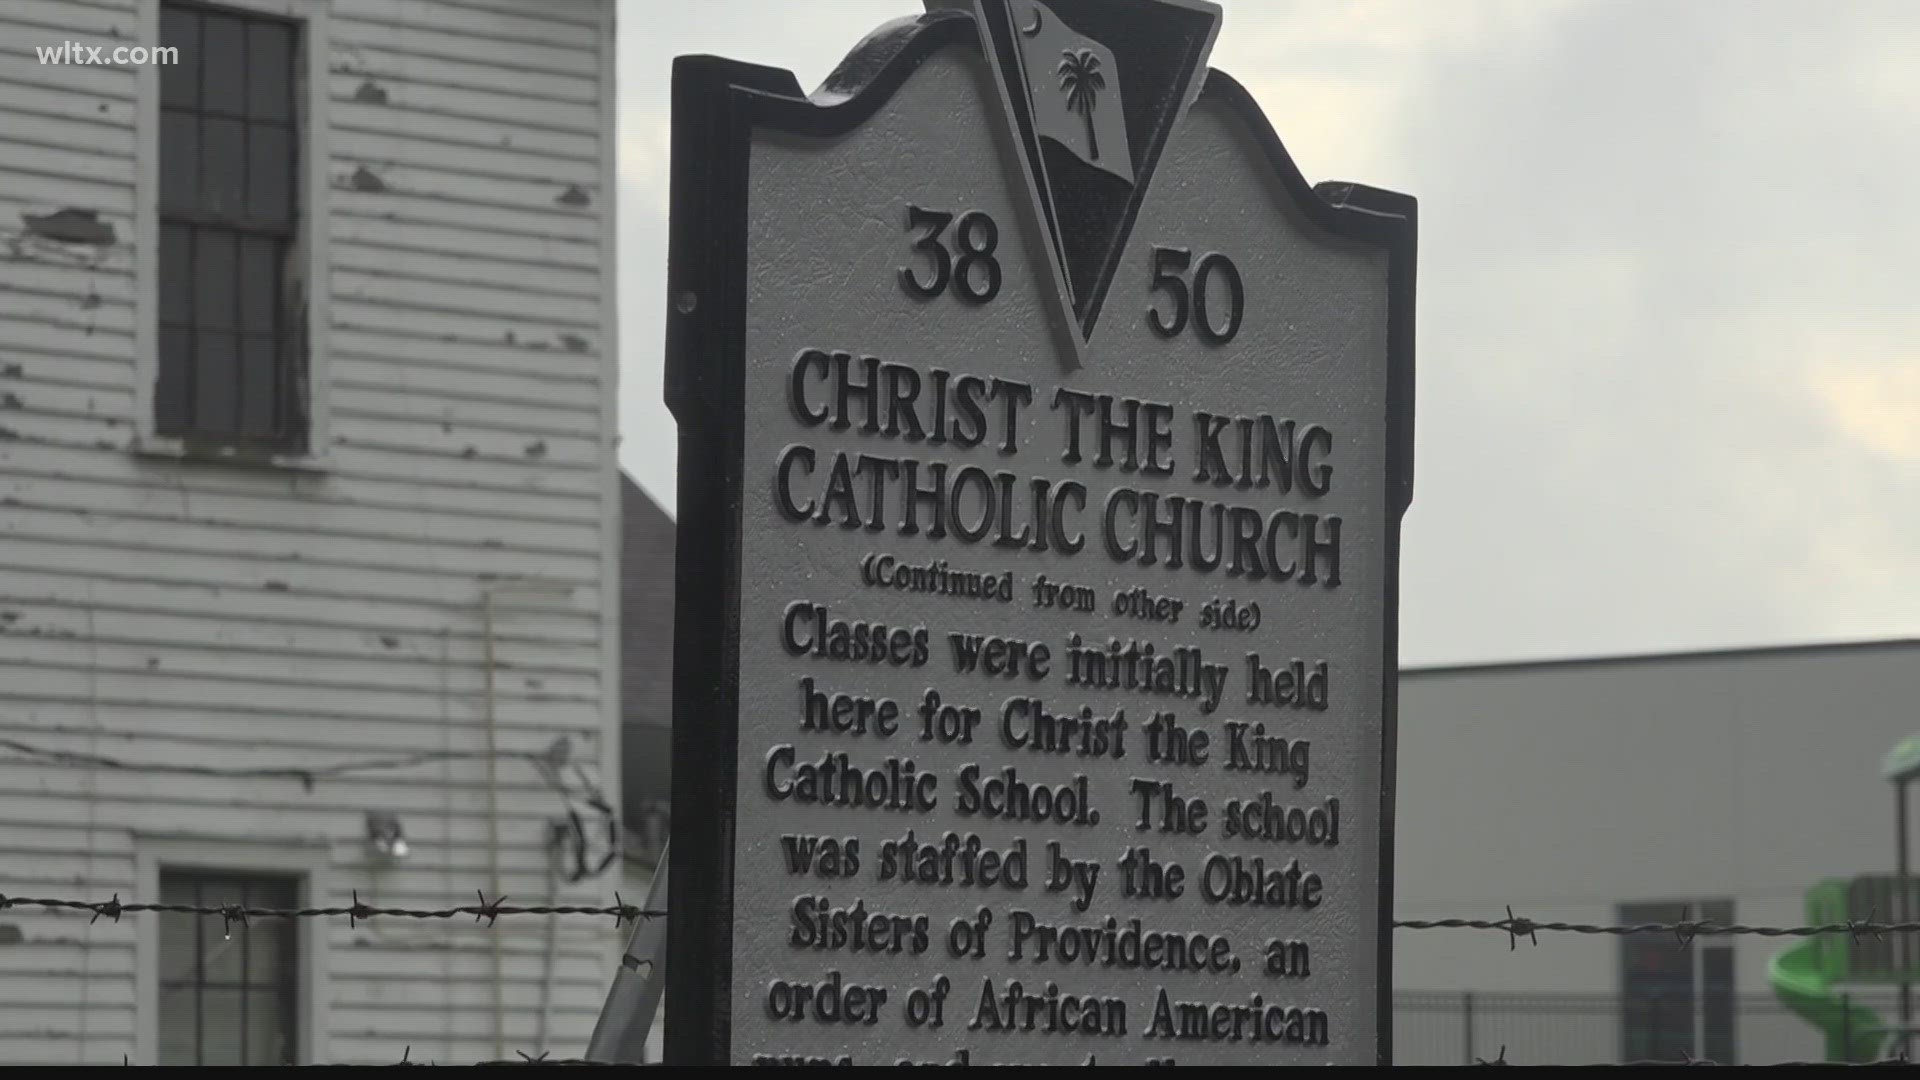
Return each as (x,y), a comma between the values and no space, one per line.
(1669,299)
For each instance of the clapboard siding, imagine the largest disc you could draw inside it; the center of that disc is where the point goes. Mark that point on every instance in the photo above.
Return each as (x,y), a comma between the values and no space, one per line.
(21,63)
(228,540)
(93,143)
(551,302)
(451,591)
(355,115)
(137,595)
(339,488)
(274,736)
(512,360)
(34,99)
(573,11)
(239,508)
(110,22)
(537,253)
(122,689)
(272,512)
(380,265)
(441,41)
(28,959)
(176,613)
(376,65)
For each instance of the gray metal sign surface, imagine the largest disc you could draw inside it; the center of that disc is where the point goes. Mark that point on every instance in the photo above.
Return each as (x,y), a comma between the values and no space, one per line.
(1044,445)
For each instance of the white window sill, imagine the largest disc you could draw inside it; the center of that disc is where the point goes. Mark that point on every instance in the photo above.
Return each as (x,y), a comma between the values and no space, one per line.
(160,446)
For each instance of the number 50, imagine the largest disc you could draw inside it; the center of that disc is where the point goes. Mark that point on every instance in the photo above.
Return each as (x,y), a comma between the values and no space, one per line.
(1169,276)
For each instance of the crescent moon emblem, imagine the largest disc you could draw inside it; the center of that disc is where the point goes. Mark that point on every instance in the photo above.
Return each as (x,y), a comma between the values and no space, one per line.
(1030,31)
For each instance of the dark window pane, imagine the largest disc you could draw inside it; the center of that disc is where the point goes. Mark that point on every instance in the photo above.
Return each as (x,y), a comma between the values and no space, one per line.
(172,391)
(223,52)
(221,1026)
(270,71)
(260,284)
(223,166)
(269,1030)
(216,386)
(179,1041)
(276,892)
(176,275)
(1717,1011)
(178,948)
(207,1017)
(270,948)
(259,400)
(180,83)
(179,159)
(1656,989)
(179,889)
(270,173)
(215,280)
(230,154)
(223,947)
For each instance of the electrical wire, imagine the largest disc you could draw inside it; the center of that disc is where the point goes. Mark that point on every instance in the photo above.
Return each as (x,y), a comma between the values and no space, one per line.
(306,774)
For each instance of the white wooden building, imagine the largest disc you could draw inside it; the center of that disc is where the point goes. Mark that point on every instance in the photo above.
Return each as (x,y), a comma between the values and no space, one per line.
(307,369)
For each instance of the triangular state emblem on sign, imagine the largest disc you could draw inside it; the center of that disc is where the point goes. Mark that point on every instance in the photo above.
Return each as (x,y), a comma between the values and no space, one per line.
(1091,91)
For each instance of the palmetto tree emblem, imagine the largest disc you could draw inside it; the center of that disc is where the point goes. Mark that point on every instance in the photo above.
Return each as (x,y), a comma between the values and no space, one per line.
(1081,81)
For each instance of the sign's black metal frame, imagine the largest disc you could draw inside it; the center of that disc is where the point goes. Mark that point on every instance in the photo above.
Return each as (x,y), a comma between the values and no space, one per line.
(717,104)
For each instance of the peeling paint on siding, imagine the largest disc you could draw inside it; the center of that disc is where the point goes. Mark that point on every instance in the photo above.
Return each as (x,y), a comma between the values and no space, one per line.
(363,179)
(70,226)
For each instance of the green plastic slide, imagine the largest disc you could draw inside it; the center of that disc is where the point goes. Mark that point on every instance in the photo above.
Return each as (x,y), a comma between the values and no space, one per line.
(1804,976)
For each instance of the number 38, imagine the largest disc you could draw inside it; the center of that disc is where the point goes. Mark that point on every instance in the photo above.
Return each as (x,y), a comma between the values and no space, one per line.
(1169,277)
(974,276)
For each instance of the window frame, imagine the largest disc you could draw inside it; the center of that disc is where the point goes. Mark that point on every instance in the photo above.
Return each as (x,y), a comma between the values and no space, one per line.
(1700,991)
(196,981)
(304,860)
(311,242)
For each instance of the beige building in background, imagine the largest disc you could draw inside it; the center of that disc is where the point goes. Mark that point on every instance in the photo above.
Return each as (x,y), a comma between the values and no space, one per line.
(1618,790)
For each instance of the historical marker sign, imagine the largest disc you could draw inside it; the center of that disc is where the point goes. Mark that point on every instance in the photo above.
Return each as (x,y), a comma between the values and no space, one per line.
(1044,443)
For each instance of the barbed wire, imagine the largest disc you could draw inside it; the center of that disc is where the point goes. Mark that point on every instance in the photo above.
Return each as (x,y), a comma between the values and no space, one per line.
(1684,929)
(1514,926)
(487,911)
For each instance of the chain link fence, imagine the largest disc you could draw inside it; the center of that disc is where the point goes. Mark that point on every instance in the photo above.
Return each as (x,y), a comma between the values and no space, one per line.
(1466,1028)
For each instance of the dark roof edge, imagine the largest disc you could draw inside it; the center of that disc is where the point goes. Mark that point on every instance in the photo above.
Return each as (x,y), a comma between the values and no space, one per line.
(627,480)
(1740,653)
